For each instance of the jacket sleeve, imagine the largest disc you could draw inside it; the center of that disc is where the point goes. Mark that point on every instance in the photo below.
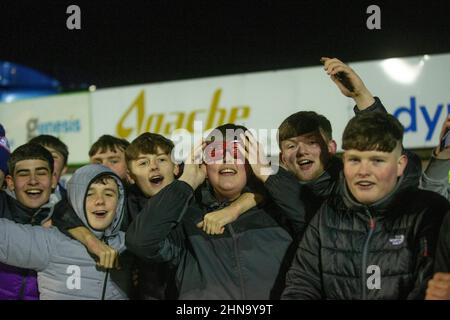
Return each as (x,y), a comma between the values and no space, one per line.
(285,191)
(442,261)
(435,177)
(24,245)
(377,106)
(65,218)
(304,280)
(426,249)
(156,233)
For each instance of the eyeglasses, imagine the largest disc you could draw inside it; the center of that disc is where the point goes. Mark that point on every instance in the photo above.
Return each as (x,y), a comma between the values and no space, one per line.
(216,151)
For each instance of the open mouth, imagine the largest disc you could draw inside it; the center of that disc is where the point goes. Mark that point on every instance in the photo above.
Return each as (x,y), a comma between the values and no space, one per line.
(227,172)
(156,180)
(33,193)
(305,164)
(365,185)
(100,213)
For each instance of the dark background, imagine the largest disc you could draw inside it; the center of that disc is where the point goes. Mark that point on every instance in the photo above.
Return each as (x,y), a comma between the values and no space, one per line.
(130,42)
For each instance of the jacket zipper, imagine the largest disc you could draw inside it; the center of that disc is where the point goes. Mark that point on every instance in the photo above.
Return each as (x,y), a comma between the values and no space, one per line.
(365,253)
(236,252)
(23,285)
(106,276)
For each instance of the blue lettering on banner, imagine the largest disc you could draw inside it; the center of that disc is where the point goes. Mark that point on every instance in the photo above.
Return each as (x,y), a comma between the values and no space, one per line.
(59,127)
(431,120)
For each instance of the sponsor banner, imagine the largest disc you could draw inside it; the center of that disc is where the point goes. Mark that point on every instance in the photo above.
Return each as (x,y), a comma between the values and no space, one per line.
(413,89)
(63,116)
(259,101)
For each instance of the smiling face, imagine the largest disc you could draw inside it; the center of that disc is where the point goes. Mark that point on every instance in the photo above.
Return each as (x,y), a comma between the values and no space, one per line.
(307,155)
(152,172)
(371,175)
(32,182)
(226,170)
(101,203)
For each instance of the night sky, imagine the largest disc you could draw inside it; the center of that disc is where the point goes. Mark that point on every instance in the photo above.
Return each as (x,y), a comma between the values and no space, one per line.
(130,42)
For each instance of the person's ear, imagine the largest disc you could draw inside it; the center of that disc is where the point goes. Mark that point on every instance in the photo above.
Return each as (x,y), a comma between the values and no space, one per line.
(63,172)
(129,178)
(176,170)
(54,181)
(332,147)
(401,164)
(10,182)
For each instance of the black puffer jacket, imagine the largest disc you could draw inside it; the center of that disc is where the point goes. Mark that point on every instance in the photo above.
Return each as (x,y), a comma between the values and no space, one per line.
(381,251)
(243,263)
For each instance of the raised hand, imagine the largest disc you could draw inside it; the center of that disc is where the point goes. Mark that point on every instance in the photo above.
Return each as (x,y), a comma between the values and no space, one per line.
(348,82)
(254,154)
(194,172)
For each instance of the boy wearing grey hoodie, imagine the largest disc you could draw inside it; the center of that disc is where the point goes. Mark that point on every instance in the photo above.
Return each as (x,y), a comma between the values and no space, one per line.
(65,269)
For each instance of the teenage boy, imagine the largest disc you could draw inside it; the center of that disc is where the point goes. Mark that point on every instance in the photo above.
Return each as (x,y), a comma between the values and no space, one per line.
(242,263)
(110,151)
(65,269)
(375,238)
(60,154)
(27,200)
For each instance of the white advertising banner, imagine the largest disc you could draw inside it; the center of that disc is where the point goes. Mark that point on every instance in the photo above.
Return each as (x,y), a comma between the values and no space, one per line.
(413,89)
(416,90)
(64,116)
(258,101)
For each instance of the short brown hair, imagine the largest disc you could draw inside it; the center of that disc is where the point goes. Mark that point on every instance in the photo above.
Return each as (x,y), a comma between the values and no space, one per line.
(47,140)
(304,122)
(107,142)
(29,151)
(372,131)
(148,143)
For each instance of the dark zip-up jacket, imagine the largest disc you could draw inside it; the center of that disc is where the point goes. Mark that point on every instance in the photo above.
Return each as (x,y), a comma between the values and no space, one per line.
(381,251)
(442,261)
(243,263)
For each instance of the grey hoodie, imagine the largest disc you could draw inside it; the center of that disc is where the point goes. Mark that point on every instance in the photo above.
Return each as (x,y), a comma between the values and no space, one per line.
(65,269)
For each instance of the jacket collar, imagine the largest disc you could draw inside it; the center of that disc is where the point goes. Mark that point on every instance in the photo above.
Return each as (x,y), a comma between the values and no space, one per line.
(23,214)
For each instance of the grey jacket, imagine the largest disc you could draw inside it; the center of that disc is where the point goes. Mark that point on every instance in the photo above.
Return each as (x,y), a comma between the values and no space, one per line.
(65,269)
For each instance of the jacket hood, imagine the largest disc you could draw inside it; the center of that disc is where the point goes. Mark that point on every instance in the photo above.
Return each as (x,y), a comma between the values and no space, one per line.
(77,188)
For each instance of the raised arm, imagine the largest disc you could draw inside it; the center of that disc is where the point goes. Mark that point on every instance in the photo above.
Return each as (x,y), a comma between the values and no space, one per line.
(435,177)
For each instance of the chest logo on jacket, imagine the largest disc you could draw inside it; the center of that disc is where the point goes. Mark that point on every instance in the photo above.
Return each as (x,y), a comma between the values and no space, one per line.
(397,240)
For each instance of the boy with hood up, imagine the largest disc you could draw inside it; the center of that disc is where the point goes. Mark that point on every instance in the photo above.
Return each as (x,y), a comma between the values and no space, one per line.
(65,269)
